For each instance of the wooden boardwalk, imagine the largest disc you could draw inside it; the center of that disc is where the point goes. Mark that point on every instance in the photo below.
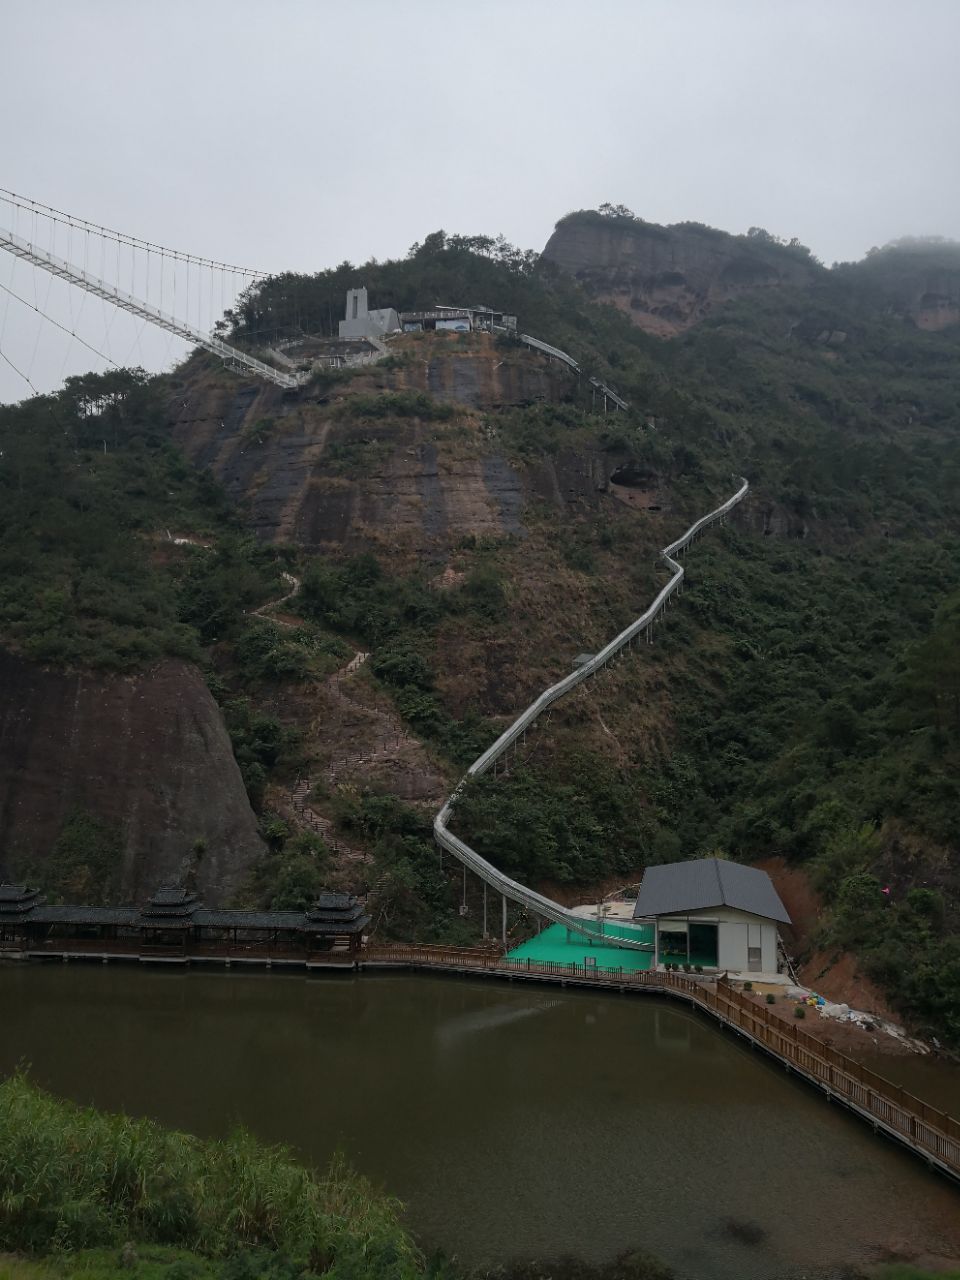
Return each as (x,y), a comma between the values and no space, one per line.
(927,1131)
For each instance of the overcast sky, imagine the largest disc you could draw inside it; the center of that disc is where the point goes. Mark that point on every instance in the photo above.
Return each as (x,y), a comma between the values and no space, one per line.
(297,133)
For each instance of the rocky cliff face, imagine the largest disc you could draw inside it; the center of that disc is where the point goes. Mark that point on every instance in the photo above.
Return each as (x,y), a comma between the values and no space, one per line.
(921,282)
(148,756)
(668,278)
(312,473)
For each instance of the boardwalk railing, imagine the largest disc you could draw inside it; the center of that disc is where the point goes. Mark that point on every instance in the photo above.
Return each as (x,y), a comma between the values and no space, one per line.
(928,1131)
(517,732)
(262,952)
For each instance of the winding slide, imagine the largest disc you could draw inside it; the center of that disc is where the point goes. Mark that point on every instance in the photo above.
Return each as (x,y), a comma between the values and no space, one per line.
(487,872)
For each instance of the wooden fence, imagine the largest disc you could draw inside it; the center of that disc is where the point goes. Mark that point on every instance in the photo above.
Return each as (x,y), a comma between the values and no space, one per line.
(927,1130)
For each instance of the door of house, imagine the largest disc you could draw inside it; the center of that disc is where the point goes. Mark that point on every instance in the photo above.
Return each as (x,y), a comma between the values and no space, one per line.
(754,948)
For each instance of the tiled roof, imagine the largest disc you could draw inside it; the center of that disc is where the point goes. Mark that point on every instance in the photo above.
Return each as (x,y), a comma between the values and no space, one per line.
(15,899)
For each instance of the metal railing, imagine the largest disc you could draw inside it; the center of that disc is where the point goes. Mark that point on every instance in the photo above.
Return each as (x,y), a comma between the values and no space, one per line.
(144,310)
(500,882)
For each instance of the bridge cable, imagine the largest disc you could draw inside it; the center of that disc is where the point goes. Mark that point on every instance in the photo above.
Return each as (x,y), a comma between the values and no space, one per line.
(42,313)
(19,372)
(37,208)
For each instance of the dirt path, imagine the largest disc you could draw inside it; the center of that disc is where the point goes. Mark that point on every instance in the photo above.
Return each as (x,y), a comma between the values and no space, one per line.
(293,586)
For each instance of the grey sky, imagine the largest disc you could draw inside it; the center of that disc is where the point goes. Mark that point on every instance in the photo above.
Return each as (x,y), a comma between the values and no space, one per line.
(296,134)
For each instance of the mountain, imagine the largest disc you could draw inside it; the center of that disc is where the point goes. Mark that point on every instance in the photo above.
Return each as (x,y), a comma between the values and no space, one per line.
(668,278)
(373,574)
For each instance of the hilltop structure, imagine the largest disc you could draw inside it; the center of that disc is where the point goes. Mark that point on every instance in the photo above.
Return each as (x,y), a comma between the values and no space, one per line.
(361,322)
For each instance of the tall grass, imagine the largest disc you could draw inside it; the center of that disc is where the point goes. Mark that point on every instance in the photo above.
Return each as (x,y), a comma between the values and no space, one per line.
(73,1178)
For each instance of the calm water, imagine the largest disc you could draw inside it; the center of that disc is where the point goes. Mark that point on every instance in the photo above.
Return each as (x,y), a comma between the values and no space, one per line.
(512,1120)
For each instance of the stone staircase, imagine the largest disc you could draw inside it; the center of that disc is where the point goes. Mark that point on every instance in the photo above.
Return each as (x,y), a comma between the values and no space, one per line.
(308,817)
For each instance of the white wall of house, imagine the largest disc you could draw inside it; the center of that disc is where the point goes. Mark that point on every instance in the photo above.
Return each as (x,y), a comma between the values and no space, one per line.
(737,933)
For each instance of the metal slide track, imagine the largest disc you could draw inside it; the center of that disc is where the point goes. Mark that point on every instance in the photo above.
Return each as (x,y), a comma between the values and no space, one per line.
(143,310)
(487,872)
(556,354)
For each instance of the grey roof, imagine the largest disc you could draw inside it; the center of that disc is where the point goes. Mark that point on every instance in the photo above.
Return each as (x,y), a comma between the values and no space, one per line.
(708,882)
(177,908)
(67,914)
(15,898)
(172,900)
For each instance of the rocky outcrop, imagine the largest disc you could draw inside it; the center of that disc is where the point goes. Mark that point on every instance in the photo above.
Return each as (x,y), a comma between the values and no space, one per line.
(917,279)
(306,470)
(146,755)
(668,278)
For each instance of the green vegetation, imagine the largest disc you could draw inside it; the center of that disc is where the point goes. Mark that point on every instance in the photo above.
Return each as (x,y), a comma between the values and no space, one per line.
(807,702)
(415,900)
(397,616)
(619,215)
(73,1178)
(536,825)
(84,863)
(89,1196)
(396,404)
(89,488)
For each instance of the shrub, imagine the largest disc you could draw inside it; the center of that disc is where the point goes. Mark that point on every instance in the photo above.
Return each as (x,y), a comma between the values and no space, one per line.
(799,1011)
(76,1178)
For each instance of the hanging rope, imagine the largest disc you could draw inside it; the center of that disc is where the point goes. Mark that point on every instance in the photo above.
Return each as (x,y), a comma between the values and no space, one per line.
(41,312)
(36,207)
(19,372)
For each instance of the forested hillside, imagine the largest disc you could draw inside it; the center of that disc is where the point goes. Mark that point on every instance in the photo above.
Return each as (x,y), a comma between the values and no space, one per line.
(803,700)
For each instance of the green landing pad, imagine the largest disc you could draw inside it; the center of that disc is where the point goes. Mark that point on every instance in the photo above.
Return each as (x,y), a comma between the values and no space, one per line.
(557,944)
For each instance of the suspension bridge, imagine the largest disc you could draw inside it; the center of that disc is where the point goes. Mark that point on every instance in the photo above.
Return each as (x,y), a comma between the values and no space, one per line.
(188,297)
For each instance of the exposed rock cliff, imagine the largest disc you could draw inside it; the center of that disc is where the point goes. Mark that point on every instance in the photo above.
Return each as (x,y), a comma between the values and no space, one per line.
(916,278)
(668,278)
(314,473)
(148,756)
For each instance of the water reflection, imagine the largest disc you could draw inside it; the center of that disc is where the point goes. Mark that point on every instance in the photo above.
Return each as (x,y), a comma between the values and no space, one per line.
(513,1120)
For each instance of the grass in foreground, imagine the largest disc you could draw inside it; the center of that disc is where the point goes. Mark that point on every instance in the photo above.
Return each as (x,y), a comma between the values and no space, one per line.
(73,1179)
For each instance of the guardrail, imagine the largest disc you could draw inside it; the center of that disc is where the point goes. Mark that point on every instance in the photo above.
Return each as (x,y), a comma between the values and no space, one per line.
(927,1131)
(642,626)
(556,354)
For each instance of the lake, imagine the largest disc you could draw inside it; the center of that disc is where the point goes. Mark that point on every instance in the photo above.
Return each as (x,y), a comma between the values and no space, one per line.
(513,1120)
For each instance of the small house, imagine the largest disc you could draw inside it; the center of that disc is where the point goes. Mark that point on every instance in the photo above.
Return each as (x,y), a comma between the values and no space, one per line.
(457,319)
(714,913)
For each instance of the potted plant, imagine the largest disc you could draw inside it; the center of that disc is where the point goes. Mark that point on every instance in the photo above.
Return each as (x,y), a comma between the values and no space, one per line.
(771,998)
(748,986)
(799,1011)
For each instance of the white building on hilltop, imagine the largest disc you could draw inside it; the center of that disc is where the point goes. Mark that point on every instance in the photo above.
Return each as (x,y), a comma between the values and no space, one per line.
(714,913)
(361,322)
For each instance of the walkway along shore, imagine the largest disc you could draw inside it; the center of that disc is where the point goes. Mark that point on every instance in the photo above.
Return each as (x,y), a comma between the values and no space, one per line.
(926,1131)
